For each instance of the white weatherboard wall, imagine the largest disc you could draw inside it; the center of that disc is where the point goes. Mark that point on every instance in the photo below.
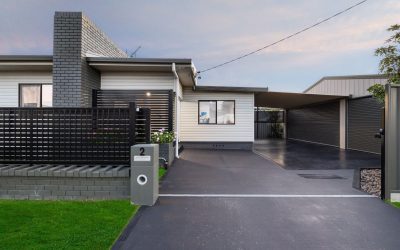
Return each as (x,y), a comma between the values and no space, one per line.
(137,81)
(241,131)
(9,82)
(345,86)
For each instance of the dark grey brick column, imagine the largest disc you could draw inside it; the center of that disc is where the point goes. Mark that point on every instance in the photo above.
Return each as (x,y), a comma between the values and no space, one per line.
(73,79)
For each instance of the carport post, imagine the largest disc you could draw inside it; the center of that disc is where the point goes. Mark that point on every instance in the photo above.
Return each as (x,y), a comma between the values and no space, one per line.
(392,142)
(343,123)
(284,123)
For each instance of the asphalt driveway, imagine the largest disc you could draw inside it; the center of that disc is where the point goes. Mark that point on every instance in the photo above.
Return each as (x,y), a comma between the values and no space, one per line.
(239,200)
(243,172)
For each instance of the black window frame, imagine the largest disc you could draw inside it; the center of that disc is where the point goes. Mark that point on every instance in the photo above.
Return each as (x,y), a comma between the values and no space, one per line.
(20,85)
(216,112)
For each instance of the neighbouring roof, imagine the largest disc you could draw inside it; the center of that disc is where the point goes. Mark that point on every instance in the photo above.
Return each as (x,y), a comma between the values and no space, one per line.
(26,62)
(371,76)
(184,67)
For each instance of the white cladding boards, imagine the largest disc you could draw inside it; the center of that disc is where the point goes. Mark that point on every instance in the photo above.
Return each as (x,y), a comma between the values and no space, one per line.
(241,131)
(9,82)
(345,87)
(137,81)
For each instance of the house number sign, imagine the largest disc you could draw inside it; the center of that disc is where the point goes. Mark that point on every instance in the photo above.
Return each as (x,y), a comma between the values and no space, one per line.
(142,156)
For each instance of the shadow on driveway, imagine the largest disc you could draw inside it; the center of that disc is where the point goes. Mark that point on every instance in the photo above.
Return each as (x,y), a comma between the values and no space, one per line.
(296,155)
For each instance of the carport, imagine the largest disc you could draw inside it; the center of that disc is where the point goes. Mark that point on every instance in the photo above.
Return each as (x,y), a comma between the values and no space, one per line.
(316,126)
(309,117)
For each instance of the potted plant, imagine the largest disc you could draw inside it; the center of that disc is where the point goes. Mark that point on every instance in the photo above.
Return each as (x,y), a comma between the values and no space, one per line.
(165,140)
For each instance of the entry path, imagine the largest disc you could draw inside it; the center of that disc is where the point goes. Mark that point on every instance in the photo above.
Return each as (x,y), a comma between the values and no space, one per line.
(206,203)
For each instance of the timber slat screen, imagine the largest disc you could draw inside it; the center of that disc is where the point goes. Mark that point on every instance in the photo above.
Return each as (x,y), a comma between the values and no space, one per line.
(160,102)
(70,135)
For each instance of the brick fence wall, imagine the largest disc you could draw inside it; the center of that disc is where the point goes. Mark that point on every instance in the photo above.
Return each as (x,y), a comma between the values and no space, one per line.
(64,188)
(60,182)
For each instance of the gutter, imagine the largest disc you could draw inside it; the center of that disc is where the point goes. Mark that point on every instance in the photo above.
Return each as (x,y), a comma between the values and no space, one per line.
(177,110)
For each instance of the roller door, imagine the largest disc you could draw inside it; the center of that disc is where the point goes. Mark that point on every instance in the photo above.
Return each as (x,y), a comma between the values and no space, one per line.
(317,123)
(363,122)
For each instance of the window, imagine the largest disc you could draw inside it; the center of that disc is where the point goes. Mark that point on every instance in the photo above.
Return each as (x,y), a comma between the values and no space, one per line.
(216,112)
(35,95)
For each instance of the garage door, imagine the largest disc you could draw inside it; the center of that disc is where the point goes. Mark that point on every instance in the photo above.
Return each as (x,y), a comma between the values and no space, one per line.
(318,123)
(364,121)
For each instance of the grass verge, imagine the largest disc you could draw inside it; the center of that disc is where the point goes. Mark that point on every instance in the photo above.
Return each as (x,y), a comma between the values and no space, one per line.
(62,224)
(396,204)
(161,173)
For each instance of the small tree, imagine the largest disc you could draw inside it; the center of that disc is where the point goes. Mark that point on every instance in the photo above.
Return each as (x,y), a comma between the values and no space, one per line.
(389,64)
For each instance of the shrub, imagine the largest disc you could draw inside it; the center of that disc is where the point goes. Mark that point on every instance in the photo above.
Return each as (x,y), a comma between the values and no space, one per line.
(162,136)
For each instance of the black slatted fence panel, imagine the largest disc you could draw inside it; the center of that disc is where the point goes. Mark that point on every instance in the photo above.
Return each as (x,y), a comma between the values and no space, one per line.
(268,124)
(160,102)
(70,135)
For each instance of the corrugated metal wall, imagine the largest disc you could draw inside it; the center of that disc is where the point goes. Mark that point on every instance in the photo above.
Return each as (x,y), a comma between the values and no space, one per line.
(345,86)
(363,122)
(318,123)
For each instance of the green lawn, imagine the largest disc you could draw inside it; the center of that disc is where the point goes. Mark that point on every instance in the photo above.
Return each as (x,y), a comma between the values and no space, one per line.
(161,172)
(62,224)
(396,204)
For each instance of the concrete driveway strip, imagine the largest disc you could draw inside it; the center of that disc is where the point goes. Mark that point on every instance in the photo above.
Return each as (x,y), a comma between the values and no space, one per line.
(238,200)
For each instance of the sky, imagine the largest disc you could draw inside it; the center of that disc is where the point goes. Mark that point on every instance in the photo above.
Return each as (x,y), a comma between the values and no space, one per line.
(214,31)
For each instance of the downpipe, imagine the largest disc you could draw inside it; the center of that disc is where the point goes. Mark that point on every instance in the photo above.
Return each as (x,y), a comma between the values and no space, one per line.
(177,110)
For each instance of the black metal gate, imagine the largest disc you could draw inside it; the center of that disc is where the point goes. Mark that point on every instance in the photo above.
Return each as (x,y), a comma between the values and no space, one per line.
(363,121)
(268,123)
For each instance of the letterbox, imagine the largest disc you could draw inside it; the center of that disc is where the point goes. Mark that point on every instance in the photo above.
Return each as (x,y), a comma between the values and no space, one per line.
(144,174)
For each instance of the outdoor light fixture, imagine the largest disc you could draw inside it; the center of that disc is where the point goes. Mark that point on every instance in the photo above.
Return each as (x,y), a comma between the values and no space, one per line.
(148,94)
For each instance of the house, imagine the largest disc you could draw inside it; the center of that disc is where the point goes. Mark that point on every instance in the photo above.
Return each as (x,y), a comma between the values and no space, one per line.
(87,69)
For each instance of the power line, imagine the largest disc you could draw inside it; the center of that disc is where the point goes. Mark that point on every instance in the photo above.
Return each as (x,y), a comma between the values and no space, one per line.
(285,38)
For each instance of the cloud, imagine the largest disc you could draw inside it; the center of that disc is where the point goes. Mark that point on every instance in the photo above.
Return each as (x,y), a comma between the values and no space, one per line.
(213,31)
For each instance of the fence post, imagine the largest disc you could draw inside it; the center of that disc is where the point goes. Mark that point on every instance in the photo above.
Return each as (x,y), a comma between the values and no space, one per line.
(94,97)
(257,123)
(392,145)
(132,123)
(147,124)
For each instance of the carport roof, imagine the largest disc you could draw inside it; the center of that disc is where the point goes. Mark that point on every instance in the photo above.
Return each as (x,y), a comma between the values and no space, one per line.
(265,98)
(287,100)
